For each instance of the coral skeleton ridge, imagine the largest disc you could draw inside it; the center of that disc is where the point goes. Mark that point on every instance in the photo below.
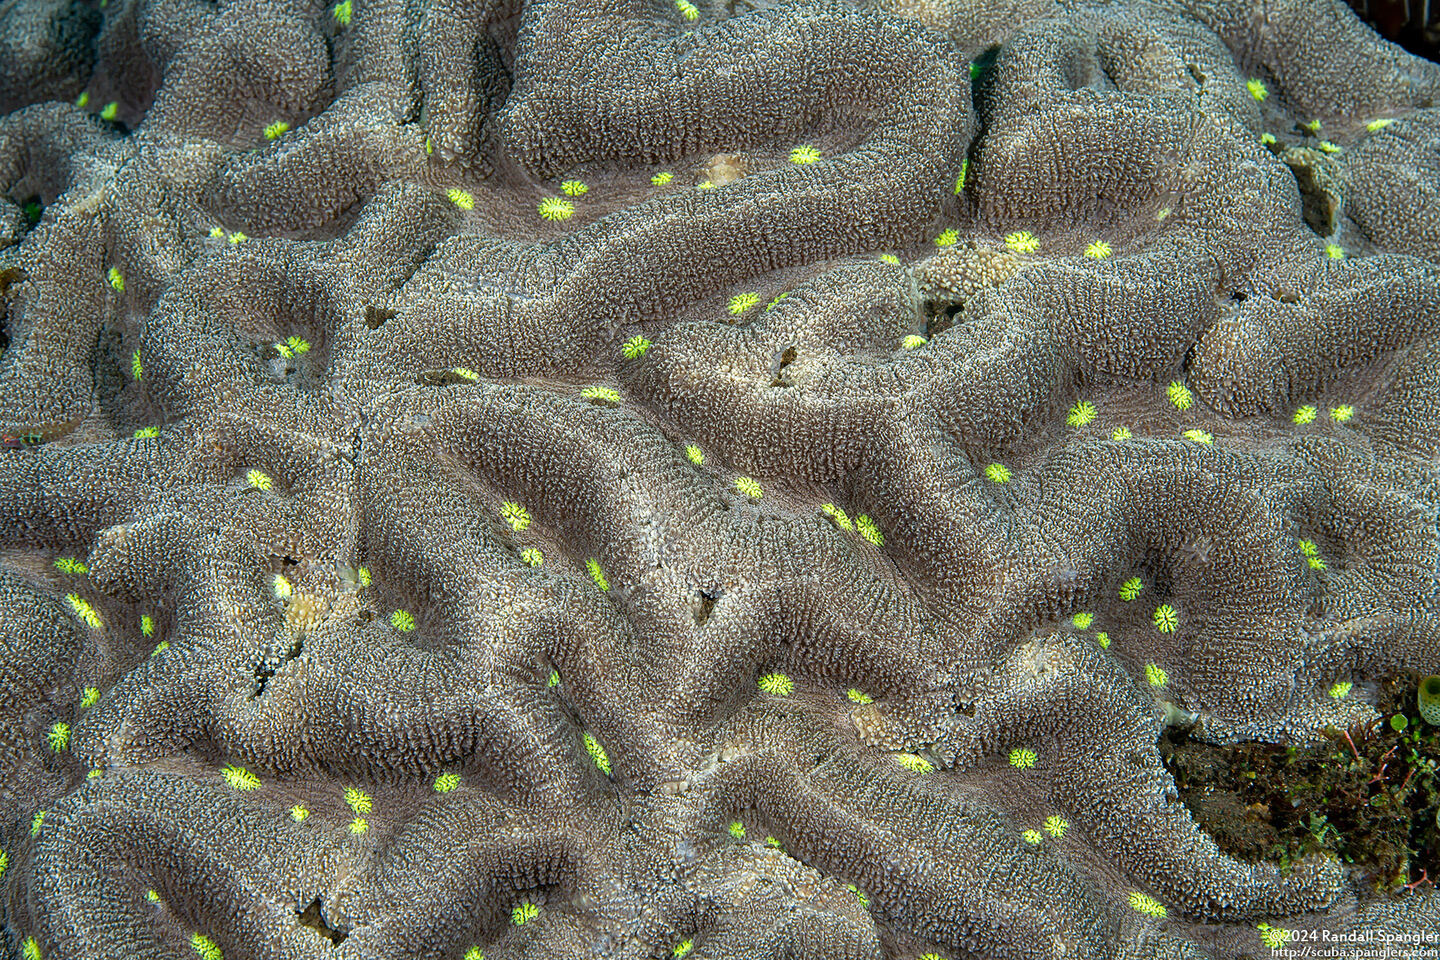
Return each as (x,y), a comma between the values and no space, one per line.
(746,480)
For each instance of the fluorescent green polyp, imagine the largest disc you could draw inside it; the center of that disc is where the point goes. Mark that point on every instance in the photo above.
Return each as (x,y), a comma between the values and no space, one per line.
(1429,697)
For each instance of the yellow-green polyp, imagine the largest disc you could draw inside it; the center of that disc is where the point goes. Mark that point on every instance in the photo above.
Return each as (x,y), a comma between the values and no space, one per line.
(1429,697)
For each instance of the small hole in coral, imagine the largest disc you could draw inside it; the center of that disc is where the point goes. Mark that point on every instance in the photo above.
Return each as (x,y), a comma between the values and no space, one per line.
(314,918)
(707,604)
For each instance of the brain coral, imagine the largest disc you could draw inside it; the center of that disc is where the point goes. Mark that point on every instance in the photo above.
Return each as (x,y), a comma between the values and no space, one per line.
(741,480)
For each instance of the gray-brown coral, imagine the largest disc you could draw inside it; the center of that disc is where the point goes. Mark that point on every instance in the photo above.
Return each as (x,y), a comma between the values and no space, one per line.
(715,480)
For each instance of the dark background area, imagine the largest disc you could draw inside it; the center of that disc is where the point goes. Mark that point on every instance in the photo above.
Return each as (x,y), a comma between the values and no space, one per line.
(1414,24)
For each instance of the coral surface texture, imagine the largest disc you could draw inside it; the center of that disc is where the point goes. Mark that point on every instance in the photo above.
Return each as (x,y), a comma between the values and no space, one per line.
(684,478)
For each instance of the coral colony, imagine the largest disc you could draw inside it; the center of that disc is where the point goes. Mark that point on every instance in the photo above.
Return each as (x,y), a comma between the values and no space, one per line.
(864,479)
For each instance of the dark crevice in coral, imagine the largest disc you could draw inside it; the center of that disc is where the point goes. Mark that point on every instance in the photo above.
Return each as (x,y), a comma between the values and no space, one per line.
(8,278)
(707,604)
(375,316)
(1187,359)
(941,317)
(410,266)
(1319,204)
(265,669)
(313,917)
(980,82)
(781,360)
(443,378)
